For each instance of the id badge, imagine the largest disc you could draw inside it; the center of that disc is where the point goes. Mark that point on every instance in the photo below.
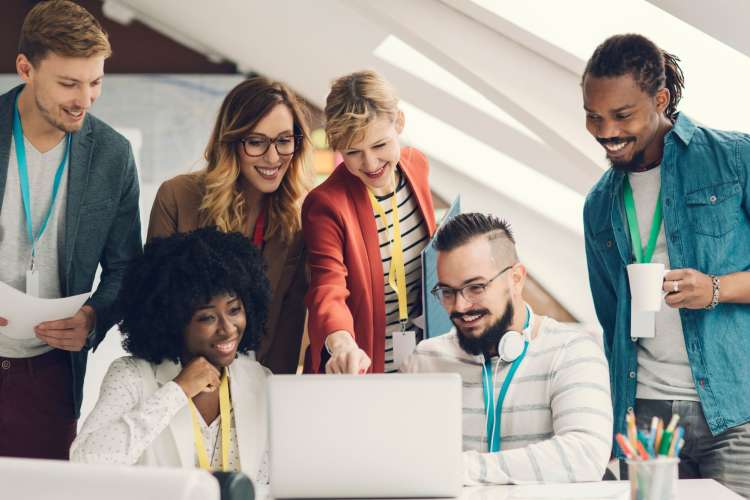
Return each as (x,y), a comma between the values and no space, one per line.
(404,344)
(32,282)
(642,324)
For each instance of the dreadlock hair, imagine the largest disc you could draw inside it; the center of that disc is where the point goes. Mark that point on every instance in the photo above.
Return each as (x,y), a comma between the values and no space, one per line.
(177,274)
(651,67)
(458,230)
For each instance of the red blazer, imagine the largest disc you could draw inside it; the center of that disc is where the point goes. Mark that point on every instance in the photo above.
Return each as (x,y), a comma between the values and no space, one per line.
(346,273)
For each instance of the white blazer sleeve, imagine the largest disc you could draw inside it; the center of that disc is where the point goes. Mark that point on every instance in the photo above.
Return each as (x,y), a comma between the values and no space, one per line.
(122,425)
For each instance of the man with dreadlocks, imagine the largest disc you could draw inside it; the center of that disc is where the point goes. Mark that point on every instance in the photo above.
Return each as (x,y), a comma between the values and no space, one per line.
(683,190)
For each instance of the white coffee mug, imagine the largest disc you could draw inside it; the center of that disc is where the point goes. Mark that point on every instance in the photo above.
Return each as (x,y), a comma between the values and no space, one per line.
(646,281)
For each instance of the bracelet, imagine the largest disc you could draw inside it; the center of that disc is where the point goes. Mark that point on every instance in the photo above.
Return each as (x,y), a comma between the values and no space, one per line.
(715,283)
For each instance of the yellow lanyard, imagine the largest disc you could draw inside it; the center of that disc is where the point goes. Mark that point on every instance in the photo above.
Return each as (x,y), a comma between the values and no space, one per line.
(397,272)
(225,407)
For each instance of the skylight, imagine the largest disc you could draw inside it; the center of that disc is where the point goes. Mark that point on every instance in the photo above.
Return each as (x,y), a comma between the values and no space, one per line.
(398,53)
(493,168)
(715,74)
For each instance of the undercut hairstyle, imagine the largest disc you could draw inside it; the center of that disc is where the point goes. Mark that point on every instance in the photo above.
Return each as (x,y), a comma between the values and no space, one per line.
(651,67)
(463,228)
(64,28)
(175,275)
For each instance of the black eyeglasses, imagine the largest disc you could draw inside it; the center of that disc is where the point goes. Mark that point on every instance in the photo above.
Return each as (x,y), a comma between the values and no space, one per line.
(257,145)
(472,292)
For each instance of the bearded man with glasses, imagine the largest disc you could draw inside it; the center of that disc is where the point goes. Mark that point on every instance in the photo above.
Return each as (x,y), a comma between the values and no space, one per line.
(536,396)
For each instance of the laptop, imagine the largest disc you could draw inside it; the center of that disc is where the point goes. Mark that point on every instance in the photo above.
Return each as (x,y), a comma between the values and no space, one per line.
(369,436)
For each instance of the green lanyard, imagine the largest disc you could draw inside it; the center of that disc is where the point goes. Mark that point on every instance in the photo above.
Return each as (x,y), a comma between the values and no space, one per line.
(635,233)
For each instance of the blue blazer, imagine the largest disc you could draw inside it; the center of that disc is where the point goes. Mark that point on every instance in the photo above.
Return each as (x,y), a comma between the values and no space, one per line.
(102,221)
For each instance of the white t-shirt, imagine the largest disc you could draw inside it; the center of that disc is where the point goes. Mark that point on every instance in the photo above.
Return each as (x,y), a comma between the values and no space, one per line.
(15,246)
(663,367)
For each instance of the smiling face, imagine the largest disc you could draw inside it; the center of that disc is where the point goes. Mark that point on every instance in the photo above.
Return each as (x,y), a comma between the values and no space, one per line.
(480,325)
(264,173)
(628,122)
(373,156)
(62,88)
(215,330)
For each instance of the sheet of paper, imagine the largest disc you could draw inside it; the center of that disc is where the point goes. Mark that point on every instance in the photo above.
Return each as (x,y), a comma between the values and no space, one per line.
(24,312)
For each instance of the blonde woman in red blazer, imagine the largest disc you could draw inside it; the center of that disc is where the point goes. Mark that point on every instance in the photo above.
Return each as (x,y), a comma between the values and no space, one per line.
(353,310)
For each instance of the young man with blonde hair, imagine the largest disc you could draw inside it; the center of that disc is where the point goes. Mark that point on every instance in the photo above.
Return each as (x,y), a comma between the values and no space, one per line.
(68,202)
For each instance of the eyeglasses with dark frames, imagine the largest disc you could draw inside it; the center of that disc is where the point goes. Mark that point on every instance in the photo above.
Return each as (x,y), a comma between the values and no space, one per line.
(285,144)
(472,293)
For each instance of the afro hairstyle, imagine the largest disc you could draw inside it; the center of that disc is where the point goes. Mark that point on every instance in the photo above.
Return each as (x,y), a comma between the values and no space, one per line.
(177,274)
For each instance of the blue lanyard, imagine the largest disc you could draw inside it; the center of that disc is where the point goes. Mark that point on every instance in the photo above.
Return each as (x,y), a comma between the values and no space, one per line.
(23,177)
(494,413)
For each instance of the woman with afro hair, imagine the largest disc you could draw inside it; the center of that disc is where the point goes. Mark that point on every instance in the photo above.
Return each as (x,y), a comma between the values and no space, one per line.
(194,304)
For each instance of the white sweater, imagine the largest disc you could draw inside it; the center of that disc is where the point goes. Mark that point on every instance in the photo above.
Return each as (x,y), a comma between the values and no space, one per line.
(556,423)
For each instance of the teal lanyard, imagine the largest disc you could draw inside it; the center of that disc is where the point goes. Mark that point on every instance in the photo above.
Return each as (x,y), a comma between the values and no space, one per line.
(642,256)
(23,177)
(494,413)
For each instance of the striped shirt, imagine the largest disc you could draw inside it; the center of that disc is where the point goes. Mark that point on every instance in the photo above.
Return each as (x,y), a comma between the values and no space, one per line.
(556,423)
(414,237)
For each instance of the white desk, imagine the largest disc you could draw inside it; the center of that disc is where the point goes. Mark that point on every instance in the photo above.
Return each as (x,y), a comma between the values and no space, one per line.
(27,479)
(687,489)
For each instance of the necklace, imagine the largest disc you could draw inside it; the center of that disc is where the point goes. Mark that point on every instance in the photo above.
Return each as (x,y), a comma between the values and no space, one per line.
(215,446)
(648,167)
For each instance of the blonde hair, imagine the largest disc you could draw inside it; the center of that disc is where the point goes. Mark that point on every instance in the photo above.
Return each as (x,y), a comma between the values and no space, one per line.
(64,28)
(354,101)
(223,202)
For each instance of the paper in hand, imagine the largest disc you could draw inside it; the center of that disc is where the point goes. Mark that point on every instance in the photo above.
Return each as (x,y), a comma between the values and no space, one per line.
(24,312)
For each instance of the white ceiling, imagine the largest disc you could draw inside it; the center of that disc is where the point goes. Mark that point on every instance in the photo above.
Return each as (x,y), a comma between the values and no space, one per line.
(490,88)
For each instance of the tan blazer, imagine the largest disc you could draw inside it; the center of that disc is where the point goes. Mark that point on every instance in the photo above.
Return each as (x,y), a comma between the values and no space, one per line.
(176,210)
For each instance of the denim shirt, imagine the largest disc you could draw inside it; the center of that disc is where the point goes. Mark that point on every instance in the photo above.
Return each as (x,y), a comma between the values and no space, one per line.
(706,208)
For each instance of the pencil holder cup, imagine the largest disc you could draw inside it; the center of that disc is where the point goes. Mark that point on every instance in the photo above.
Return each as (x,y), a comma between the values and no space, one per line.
(654,479)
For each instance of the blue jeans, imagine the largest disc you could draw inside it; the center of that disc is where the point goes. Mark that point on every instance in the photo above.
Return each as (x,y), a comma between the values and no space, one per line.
(725,458)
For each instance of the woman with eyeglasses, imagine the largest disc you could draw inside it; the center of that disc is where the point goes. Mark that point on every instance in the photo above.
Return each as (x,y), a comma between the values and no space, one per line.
(253,183)
(365,227)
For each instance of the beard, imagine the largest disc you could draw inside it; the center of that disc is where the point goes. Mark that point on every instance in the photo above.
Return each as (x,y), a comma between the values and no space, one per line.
(636,164)
(49,118)
(488,340)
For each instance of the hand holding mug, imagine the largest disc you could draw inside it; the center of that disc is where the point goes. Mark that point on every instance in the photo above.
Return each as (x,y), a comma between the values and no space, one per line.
(687,288)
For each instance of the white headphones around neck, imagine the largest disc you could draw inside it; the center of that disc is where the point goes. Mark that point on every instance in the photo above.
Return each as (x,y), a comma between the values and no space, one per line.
(510,346)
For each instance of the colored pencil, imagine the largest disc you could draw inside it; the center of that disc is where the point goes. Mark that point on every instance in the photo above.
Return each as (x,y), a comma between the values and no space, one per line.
(641,450)
(625,446)
(659,435)
(676,438)
(632,433)
(678,447)
(673,423)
